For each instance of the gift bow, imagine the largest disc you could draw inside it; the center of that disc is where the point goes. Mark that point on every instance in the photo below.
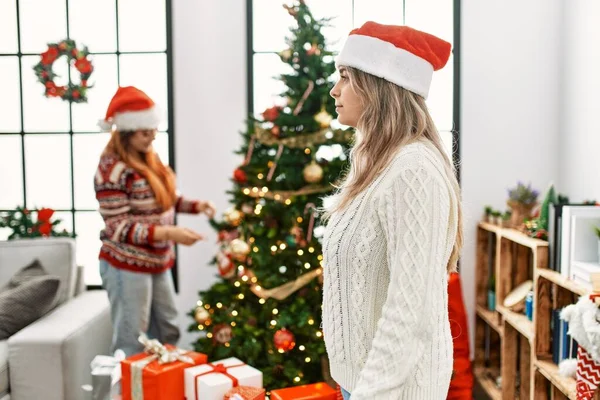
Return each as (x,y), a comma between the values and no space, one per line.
(160,352)
(219,369)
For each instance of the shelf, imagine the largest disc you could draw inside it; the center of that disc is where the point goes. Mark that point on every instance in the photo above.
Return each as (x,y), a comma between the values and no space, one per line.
(522,239)
(490,317)
(564,384)
(514,235)
(490,227)
(518,321)
(488,383)
(561,281)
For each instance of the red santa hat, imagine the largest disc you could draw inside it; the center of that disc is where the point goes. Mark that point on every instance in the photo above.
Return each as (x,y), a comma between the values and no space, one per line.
(129,110)
(398,54)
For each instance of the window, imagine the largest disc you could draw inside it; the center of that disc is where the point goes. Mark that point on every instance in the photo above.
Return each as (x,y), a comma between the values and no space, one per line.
(270,23)
(50,148)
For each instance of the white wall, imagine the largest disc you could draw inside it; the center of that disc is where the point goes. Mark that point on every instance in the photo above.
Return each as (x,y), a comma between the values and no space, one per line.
(580,124)
(510,108)
(209,42)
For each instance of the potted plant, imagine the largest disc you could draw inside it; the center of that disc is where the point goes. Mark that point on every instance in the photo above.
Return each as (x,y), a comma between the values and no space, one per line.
(488,213)
(521,200)
(506,218)
(499,217)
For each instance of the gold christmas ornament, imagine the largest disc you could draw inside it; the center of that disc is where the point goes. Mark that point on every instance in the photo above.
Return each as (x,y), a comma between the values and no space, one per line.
(286,54)
(313,173)
(201,315)
(239,249)
(233,217)
(324,119)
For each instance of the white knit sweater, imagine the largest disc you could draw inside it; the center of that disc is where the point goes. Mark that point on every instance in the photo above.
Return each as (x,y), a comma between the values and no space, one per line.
(385,299)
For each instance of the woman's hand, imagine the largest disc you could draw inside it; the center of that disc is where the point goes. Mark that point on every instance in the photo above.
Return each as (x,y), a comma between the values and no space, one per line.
(177,234)
(208,208)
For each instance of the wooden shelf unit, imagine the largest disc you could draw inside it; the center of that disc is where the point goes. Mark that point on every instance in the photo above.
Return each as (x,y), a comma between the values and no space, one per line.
(507,344)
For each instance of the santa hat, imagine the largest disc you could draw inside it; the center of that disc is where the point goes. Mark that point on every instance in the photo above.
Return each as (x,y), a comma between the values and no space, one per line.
(129,110)
(398,54)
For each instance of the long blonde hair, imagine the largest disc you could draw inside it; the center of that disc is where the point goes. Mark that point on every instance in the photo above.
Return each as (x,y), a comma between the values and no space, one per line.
(392,117)
(160,177)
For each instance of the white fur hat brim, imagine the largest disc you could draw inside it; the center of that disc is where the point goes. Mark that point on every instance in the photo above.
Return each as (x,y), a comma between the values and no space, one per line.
(133,120)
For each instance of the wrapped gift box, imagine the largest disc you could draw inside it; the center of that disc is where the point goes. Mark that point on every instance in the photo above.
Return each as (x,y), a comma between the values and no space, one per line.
(316,391)
(212,381)
(106,376)
(146,377)
(245,393)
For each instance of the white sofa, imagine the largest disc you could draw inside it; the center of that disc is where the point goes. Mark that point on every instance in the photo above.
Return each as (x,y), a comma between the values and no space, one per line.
(50,358)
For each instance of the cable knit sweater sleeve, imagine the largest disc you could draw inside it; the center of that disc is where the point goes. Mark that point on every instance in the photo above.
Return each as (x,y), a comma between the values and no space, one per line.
(413,209)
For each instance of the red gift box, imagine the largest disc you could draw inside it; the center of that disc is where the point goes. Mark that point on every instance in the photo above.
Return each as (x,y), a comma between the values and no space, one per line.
(316,391)
(246,393)
(144,377)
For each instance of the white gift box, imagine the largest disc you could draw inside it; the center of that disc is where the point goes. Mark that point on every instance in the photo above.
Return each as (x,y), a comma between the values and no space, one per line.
(212,385)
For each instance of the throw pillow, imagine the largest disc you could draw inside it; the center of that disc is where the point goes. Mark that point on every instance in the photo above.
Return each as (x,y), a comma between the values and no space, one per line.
(30,294)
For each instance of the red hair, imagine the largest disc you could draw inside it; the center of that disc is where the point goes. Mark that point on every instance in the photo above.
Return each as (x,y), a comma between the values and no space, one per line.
(160,176)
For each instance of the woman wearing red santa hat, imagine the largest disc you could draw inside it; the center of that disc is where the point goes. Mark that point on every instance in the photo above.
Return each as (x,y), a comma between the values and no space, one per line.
(394,225)
(138,201)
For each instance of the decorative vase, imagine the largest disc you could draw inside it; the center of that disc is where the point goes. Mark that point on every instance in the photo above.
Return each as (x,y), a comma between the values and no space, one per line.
(519,212)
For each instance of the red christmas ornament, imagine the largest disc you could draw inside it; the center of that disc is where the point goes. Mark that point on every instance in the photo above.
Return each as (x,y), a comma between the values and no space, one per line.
(240,176)
(225,265)
(271,114)
(284,340)
(222,333)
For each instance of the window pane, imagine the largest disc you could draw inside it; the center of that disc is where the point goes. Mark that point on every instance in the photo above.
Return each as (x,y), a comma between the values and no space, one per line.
(271,23)
(440,96)
(382,11)
(10,101)
(66,221)
(48,171)
(341,24)
(11,172)
(267,86)
(147,34)
(93,24)
(86,154)
(89,225)
(8,26)
(104,79)
(448,144)
(147,72)
(161,146)
(41,23)
(440,23)
(42,114)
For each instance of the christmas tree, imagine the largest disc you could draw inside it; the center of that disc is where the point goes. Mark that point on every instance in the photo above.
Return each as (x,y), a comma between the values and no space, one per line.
(266,307)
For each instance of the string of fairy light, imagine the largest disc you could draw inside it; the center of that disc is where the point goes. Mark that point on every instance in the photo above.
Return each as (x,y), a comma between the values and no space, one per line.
(275,248)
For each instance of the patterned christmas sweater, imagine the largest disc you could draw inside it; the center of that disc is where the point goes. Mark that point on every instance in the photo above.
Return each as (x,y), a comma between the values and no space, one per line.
(130,212)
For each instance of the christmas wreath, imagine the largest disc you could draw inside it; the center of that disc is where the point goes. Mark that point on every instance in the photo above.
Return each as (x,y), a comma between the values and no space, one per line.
(45,74)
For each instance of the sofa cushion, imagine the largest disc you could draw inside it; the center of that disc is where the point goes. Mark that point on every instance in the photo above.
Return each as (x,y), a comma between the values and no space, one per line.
(31,271)
(3,367)
(29,295)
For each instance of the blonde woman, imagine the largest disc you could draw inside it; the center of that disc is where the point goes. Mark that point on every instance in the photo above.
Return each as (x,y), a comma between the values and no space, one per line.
(394,225)
(137,198)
